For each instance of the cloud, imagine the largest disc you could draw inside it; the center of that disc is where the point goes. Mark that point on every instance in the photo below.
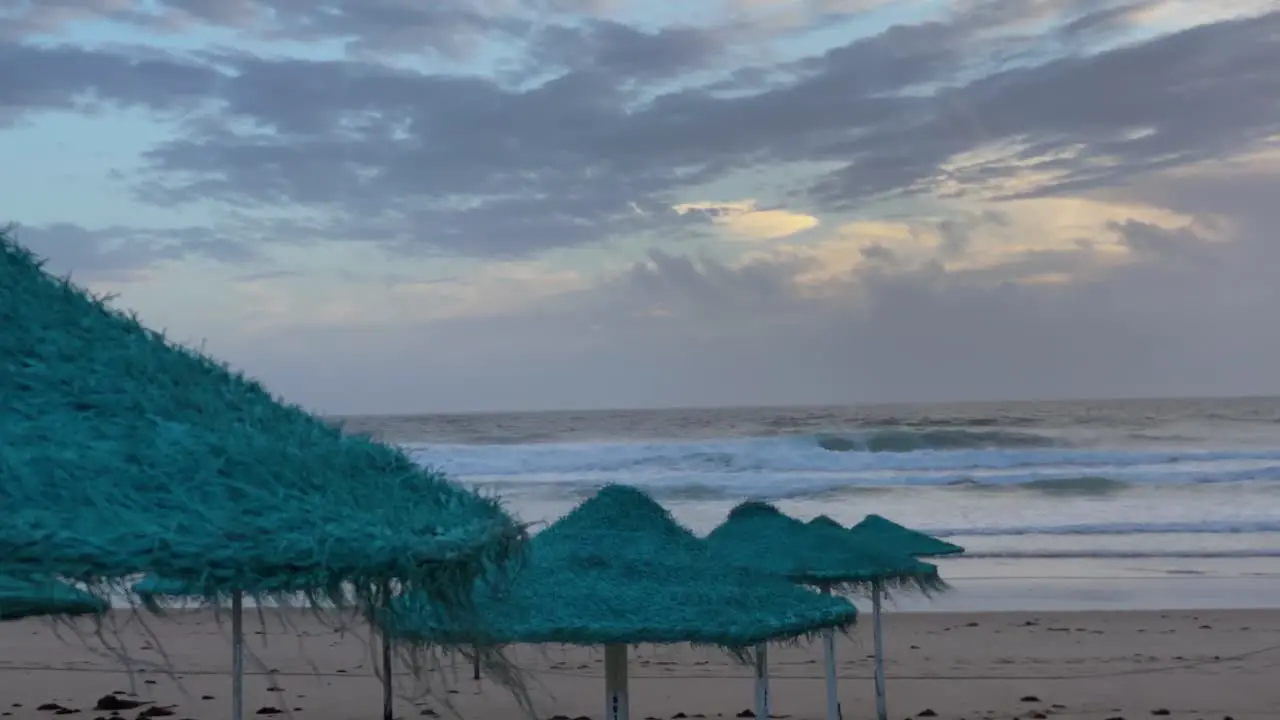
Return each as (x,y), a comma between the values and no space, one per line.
(622,52)
(741,220)
(512,171)
(123,254)
(1002,198)
(1171,304)
(68,78)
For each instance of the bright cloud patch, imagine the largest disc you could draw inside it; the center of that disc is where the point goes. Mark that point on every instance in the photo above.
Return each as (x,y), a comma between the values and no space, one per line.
(741,220)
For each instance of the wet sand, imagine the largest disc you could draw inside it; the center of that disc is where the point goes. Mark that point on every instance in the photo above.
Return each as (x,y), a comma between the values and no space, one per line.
(1206,665)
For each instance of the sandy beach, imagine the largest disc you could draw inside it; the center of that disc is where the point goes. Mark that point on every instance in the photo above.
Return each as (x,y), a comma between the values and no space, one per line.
(1206,665)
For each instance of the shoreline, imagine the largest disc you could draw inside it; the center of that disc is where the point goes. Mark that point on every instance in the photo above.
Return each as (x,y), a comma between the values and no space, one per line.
(1081,665)
(1085,584)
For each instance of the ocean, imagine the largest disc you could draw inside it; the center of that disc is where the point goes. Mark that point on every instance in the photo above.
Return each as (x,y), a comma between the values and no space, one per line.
(1121,501)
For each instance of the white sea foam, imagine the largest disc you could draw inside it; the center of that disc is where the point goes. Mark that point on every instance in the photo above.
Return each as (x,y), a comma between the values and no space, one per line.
(1003,486)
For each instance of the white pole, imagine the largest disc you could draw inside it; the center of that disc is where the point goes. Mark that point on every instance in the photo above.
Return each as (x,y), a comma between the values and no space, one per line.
(237,657)
(829,655)
(762,680)
(388,697)
(876,591)
(615,682)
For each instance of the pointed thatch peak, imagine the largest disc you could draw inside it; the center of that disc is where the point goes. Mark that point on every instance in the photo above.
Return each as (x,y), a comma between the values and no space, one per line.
(752,508)
(888,533)
(619,509)
(827,522)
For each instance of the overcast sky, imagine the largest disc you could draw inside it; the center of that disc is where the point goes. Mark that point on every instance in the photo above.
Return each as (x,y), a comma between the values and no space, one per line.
(407,206)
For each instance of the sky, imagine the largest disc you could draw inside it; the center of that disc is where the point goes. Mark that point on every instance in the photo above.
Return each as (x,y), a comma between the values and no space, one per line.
(397,206)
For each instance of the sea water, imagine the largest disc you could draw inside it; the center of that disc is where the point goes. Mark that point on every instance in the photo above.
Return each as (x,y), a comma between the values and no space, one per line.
(1118,503)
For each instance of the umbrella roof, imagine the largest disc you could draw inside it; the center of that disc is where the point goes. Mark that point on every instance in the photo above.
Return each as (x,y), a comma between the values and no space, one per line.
(760,536)
(20,598)
(124,453)
(913,542)
(619,569)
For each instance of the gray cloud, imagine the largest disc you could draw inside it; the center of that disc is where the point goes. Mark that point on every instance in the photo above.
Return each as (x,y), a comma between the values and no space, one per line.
(1129,110)
(494,169)
(573,148)
(62,78)
(454,29)
(118,253)
(486,167)
(622,52)
(1186,316)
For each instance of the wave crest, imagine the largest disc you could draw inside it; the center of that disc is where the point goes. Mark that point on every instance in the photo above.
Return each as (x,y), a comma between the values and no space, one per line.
(897,440)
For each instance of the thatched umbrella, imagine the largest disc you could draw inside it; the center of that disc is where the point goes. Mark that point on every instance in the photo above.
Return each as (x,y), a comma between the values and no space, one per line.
(618,571)
(758,535)
(22,598)
(126,454)
(888,533)
(877,531)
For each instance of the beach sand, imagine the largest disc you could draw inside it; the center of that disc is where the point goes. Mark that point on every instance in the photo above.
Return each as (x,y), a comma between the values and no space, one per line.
(978,666)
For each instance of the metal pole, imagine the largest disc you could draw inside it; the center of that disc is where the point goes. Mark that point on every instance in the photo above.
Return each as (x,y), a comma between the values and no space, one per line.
(762,680)
(388,700)
(237,657)
(475,673)
(615,683)
(829,655)
(876,591)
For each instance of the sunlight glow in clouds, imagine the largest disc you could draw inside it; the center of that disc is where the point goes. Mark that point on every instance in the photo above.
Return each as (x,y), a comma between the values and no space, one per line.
(742,221)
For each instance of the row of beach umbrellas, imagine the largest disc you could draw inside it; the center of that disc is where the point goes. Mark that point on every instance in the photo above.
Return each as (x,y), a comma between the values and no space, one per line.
(637,577)
(619,571)
(123,454)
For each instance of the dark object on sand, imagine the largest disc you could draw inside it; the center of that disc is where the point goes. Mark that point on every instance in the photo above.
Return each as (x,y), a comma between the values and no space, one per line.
(115,702)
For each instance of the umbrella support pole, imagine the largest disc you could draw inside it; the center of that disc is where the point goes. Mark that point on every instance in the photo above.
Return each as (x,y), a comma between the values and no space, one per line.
(615,682)
(877,591)
(388,696)
(237,657)
(762,680)
(475,670)
(829,658)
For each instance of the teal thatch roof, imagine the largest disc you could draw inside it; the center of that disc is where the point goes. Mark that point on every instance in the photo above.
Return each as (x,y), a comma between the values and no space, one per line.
(29,598)
(154,590)
(888,533)
(122,453)
(824,521)
(760,536)
(619,569)
(152,586)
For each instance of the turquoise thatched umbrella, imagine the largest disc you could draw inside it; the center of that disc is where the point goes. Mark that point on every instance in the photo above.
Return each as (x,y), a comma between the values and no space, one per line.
(758,535)
(618,571)
(888,533)
(21,598)
(877,531)
(126,454)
